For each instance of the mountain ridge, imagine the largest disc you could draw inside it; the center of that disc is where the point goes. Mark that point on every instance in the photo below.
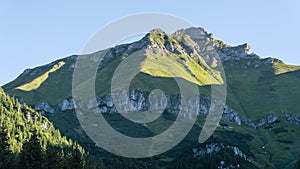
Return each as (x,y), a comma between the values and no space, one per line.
(261,100)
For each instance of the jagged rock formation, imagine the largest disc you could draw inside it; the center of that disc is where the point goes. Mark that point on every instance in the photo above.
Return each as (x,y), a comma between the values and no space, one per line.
(43,108)
(294,119)
(138,102)
(216,147)
(67,104)
(271,119)
(236,53)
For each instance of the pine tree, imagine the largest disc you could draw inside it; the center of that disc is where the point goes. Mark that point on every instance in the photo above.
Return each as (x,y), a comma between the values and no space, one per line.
(31,155)
(46,148)
(5,153)
(89,165)
(76,161)
(51,158)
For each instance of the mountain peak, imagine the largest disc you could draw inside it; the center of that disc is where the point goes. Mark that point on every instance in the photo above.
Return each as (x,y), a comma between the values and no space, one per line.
(157,30)
(194,32)
(188,41)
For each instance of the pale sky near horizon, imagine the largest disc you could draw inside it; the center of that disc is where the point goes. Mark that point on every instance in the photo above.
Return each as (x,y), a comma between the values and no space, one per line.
(34,33)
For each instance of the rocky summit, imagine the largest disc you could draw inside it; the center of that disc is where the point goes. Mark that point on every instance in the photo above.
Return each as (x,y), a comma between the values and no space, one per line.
(260,121)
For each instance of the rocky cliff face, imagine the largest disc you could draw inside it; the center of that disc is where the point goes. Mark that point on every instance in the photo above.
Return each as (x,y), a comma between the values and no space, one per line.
(43,108)
(236,53)
(216,147)
(272,119)
(294,119)
(212,148)
(225,52)
(139,102)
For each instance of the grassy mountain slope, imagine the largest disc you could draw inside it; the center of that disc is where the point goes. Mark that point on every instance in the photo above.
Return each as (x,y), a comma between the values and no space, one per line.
(260,91)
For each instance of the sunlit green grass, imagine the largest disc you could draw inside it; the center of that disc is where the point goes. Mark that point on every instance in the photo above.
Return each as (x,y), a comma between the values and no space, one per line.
(37,82)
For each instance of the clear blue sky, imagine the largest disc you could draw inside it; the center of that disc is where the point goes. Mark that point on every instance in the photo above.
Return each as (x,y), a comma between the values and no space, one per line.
(34,33)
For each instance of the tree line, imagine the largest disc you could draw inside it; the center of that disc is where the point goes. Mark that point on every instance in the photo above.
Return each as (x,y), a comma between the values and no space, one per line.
(29,141)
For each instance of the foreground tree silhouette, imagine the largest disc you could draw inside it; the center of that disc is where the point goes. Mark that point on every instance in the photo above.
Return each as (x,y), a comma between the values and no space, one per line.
(76,158)
(31,156)
(5,153)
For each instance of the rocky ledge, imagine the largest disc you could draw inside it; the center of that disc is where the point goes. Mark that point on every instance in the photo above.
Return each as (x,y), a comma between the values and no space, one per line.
(139,102)
(272,119)
(216,147)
